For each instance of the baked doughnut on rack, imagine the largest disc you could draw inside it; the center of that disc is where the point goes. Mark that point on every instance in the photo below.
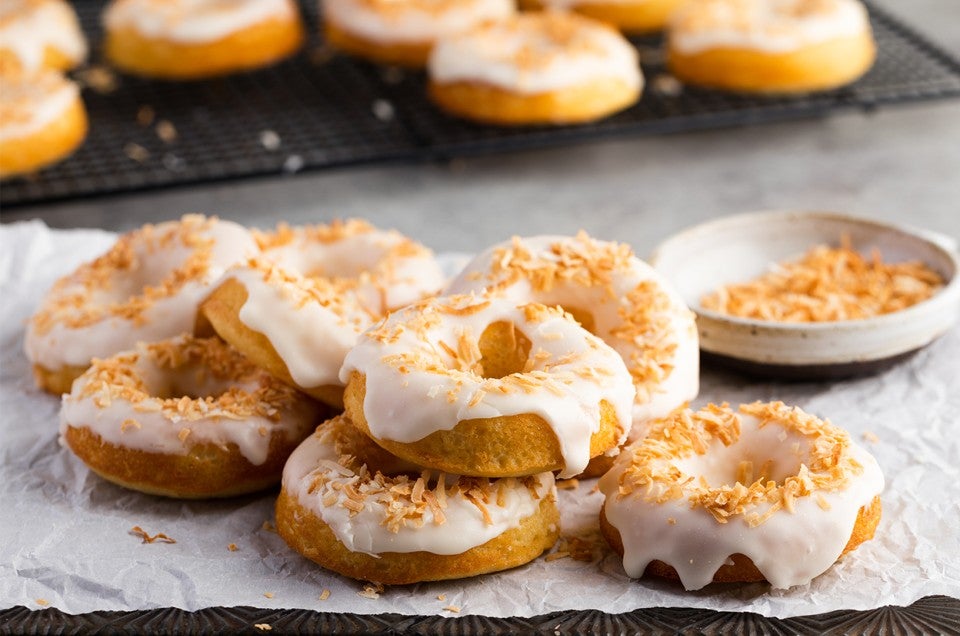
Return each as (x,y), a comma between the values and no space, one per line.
(193,39)
(545,67)
(42,120)
(147,287)
(349,506)
(297,309)
(482,386)
(762,492)
(770,46)
(630,16)
(36,34)
(402,32)
(187,417)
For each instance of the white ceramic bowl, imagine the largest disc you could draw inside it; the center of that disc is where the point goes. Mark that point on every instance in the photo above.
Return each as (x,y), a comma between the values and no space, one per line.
(739,248)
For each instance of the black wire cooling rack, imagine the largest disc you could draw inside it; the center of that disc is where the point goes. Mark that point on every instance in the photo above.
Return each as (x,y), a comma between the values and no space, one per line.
(320,111)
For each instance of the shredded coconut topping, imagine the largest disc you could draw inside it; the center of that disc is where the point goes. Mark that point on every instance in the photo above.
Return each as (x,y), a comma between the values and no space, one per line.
(828,284)
(654,473)
(583,261)
(73,299)
(121,378)
(402,501)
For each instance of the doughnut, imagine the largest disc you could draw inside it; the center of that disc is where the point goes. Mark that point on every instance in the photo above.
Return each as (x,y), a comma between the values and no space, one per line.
(42,120)
(484,387)
(764,46)
(366,522)
(37,34)
(630,16)
(402,32)
(764,492)
(186,417)
(614,295)
(297,309)
(147,287)
(195,39)
(535,68)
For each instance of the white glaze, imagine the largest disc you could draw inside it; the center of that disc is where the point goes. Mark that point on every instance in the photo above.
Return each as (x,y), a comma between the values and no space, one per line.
(312,339)
(62,345)
(500,54)
(765,25)
(682,366)
(406,407)
(28,27)
(789,548)
(412,21)
(159,432)
(195,21)
(31,103)
(463,529)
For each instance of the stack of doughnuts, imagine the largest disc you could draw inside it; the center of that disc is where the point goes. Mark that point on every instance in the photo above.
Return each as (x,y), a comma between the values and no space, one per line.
(482,398)
(154,401)
(541,359)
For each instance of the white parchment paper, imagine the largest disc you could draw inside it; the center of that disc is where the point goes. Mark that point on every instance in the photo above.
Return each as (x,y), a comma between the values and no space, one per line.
(65,540)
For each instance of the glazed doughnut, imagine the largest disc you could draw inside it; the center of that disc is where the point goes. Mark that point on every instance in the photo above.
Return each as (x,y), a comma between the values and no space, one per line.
(351,518)
(535,68)
(614,295)
(193,39)
(187,417)
(630,16)
(779,46)
(42,120)
(766,492)
(402,32)
(299,308)
(145,288)
(37,34)
(485,387)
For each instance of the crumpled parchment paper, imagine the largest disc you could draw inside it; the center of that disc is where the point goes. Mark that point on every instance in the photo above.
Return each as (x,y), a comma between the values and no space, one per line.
(65,536)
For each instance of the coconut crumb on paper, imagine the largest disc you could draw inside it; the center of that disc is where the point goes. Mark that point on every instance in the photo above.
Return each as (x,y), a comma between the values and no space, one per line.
(146,537)
(371,591)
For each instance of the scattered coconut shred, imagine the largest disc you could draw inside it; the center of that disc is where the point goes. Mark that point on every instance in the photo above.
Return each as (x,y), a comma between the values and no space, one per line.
(828,284)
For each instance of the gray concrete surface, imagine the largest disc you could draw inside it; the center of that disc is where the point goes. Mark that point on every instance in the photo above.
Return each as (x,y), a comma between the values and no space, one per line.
(901,164)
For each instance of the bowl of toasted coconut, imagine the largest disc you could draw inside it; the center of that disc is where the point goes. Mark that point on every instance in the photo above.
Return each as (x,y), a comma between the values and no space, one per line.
(813,295)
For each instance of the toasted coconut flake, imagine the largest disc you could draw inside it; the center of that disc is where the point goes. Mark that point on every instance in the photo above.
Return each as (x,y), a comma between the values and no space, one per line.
(145,537)
(654,475)
(263,627)
(324,595)
(371,591)
(232,547)
(452,608)
(828,284)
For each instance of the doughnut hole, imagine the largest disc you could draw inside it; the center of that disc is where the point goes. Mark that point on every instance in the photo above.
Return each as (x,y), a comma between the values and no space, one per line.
(584,317)
(192,381)
(504,350)
(769,453)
